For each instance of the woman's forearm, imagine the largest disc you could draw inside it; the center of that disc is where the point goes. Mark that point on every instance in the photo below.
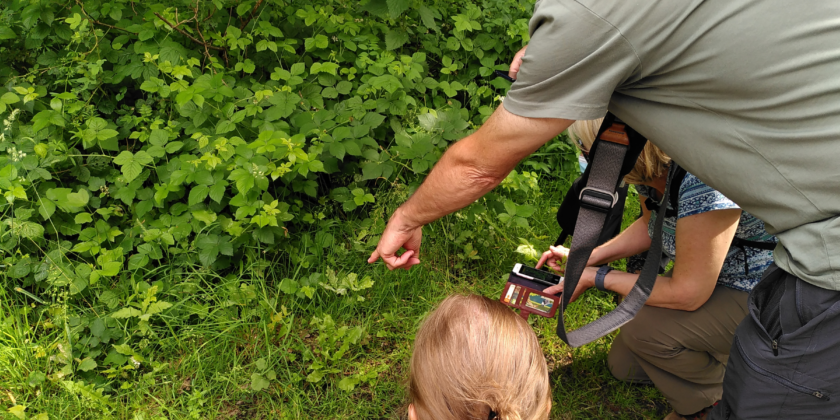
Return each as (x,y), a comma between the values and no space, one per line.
(631,241)
(666,293)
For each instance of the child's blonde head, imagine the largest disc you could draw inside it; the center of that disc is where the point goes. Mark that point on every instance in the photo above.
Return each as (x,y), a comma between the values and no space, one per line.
(652,162)
(473,355)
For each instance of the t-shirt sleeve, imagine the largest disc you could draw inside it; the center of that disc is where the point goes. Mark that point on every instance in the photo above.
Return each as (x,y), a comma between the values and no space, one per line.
(574,62)
(695,197)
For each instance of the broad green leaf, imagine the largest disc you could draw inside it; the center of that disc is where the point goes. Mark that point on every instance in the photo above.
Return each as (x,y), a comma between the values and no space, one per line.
(42,120)
(30,230)
(36,377)
(289,286)
(7,33)
(82,218)
(208,217)
(132,164)
(315,376)
(46,207)
(510,207)
(18,410)
(395,38)
(9,98)
(428,17)
(337,150)
(297,68)
(79,199)
(258,382)
(225,126)
(106,134)
(124,349)
(110,269)
(348,383)
(158,307)
(525,210)
(397,7)
(198,194)
(127,312)
(158,137)
(217,191)
(87,364)
(284,104)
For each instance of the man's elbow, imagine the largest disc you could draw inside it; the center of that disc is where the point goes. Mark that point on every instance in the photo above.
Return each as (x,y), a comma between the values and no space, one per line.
(473,170)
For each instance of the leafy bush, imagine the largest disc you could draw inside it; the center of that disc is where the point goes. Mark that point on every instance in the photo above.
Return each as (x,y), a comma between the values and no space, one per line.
(217,136)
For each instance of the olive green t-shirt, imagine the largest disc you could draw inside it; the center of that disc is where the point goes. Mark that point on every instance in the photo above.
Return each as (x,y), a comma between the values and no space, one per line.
(745,94)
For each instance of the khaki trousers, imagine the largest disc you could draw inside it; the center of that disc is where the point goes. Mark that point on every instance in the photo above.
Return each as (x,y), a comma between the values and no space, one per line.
(683,353)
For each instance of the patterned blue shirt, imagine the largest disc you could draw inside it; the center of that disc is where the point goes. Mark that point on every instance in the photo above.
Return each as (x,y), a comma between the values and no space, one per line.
(695,197)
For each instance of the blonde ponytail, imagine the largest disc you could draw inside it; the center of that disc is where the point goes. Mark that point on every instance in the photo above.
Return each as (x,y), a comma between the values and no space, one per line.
(473,355)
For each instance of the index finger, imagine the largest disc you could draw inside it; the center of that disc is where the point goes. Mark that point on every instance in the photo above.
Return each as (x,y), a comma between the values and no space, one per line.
(543,258)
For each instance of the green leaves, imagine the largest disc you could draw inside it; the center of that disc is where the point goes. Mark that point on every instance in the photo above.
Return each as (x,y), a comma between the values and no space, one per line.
(397,7)
(132,150)
(132,164)
(87,364)
(360,197)
(260,380)
(323,67)
(210,246)
(45,119)
(516,213)
(198,194)
(319,41)
(464,23)
(395,38)
(7,33)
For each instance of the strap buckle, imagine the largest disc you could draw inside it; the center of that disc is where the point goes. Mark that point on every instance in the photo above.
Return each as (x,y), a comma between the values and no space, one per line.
(596,198)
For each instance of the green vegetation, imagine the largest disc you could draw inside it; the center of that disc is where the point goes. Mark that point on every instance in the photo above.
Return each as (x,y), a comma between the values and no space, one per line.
(191,191)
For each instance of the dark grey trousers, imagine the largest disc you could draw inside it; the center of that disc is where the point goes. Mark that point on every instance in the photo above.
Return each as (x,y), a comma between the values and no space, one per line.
(785,358)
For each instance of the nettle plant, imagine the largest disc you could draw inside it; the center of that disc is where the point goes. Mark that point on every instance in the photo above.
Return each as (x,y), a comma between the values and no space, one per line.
(139,135)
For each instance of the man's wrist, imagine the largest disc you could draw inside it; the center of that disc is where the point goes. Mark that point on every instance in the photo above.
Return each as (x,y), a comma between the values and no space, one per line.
(403,220)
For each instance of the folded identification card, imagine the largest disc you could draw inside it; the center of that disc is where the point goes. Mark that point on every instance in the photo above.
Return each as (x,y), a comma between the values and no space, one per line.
(529,301)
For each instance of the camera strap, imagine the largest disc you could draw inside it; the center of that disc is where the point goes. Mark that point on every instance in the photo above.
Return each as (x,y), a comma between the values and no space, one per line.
(613,155)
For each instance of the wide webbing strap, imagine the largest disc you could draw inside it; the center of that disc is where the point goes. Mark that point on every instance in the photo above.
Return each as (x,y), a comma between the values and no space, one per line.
(605,172)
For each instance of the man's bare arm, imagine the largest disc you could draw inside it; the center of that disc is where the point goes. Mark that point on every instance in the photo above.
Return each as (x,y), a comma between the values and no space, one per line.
(468,170)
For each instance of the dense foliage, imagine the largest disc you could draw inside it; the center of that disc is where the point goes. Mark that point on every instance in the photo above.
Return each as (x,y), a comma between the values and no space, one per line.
(144,141)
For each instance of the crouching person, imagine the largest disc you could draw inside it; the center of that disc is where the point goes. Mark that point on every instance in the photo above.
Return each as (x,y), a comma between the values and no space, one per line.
(474,358)
(681,340)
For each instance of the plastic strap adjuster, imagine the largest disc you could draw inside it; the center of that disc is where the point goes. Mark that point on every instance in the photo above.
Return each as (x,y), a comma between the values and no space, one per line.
(597,198)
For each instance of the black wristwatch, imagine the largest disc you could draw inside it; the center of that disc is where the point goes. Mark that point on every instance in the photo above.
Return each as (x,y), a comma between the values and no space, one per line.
(599,277)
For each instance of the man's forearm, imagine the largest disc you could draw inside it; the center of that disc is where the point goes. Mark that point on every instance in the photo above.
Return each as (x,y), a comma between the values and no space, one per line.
(453,184)
(475,165)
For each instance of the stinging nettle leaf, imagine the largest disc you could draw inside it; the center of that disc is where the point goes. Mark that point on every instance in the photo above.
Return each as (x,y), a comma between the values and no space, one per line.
(395,38)
(397,7)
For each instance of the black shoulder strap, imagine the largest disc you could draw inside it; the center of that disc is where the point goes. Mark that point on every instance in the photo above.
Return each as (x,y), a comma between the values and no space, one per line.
(677,176)
(609,164)
(567,213)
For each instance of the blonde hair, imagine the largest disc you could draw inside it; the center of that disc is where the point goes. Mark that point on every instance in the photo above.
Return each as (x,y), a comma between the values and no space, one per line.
(473,355)
(652,162)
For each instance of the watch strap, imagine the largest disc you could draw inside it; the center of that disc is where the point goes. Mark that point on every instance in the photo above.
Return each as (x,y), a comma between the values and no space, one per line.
(600,276)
